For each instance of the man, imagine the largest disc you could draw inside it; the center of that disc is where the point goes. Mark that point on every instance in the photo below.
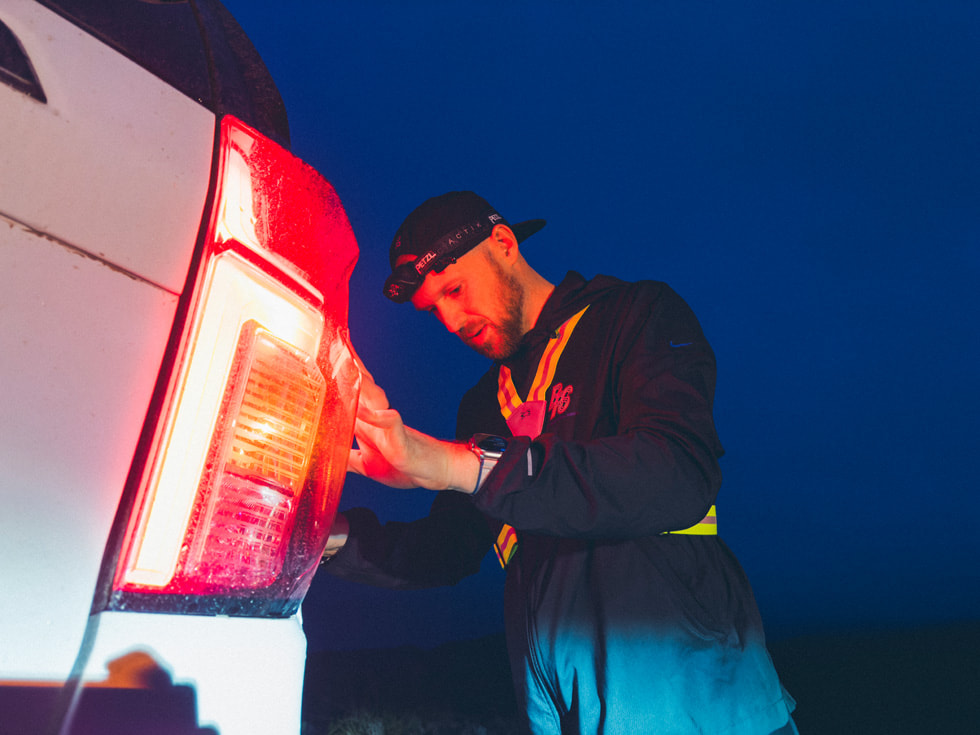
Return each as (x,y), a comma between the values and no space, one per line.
(587,456)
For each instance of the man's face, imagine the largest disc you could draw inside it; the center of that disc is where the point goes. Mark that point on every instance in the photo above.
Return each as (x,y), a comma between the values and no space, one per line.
(479,301)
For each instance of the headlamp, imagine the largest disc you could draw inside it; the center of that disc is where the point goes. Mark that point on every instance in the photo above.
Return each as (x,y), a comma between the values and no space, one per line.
(405,279)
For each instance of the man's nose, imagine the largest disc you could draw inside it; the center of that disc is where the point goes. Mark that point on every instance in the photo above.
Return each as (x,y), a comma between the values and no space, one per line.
(451,318)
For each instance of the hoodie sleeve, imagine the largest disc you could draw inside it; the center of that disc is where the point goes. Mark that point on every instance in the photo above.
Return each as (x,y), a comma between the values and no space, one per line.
(646,460)
(439,549)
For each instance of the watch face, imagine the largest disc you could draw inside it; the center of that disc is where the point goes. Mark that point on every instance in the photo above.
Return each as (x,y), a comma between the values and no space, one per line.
(491,443)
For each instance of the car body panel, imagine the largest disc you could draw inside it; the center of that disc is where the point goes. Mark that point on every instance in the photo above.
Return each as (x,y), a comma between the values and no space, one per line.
(105,182)
(73,406)
(240,671)
(149,198)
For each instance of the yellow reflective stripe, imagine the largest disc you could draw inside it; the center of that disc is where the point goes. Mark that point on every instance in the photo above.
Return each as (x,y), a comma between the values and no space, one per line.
(507,395)
(510,400)
(707,526)
(549,360)
(505,545)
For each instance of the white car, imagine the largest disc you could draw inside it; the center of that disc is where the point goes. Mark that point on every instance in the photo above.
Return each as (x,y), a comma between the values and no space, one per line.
(177,389)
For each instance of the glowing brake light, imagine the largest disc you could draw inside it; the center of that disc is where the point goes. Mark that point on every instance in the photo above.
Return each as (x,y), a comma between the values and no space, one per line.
(247,459)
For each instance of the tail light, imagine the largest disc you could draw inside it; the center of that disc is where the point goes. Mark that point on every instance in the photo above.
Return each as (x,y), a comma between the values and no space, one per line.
(246,459)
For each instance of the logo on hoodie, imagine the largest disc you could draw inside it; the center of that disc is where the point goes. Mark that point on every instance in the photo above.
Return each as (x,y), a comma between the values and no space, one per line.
(561,396)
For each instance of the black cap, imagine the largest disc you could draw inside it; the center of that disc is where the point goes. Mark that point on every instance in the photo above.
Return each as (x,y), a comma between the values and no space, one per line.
(439,231)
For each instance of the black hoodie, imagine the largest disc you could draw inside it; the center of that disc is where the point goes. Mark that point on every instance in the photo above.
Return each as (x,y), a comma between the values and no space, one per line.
(613,624)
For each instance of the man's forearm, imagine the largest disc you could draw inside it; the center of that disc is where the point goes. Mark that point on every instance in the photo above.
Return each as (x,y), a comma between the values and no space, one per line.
(446,465)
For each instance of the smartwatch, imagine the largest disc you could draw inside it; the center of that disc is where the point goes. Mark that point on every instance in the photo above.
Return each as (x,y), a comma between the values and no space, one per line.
(488,449)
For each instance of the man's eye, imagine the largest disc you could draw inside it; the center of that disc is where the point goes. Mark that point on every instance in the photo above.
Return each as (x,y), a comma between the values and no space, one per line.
(455,290)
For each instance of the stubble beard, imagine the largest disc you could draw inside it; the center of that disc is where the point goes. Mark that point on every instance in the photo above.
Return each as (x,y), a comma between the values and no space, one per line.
(510,329)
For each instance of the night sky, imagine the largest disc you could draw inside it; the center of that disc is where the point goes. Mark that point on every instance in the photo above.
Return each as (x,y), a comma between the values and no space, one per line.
(805,175)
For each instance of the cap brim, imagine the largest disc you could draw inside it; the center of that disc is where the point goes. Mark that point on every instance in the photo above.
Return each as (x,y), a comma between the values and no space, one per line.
(524,230)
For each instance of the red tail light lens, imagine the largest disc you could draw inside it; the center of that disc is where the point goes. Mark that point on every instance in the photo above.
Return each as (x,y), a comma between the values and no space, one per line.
(248,456)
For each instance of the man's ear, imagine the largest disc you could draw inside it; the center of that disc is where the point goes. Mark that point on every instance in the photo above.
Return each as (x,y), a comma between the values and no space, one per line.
(504,241)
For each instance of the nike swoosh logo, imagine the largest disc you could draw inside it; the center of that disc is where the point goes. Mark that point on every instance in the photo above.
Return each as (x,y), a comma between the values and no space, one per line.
(680,344)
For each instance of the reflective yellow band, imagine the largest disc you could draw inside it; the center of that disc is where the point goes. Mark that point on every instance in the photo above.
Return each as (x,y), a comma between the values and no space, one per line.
(506,543)
(707,526)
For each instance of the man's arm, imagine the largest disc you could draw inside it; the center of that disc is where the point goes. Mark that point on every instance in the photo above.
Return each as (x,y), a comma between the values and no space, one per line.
(399,456)
(439,549)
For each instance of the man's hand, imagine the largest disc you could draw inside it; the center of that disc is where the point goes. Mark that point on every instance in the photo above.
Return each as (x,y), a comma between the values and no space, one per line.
(399,456)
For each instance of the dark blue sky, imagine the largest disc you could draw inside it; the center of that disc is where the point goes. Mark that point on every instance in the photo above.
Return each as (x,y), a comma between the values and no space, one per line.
(805,175)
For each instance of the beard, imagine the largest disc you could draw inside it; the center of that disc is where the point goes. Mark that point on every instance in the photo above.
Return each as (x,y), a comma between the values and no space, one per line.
(510,327)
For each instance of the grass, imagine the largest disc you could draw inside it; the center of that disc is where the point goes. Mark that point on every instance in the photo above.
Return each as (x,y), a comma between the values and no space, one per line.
(367,722)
